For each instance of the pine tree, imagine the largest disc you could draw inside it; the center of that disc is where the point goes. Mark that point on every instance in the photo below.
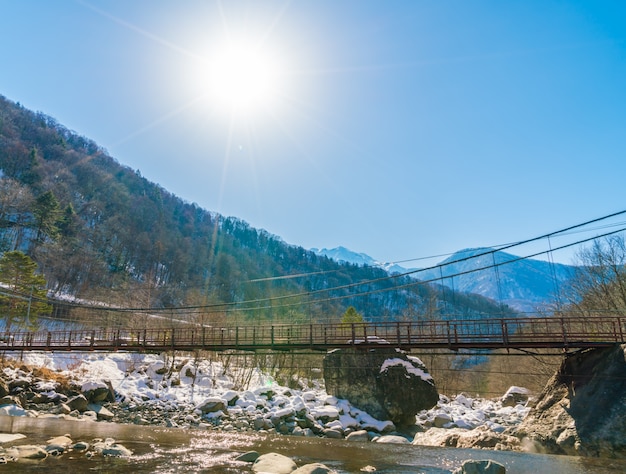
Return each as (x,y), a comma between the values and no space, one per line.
(23,298)
(352,316)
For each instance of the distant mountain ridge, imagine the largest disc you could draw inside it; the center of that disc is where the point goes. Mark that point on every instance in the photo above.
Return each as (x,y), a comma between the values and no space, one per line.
(342,254)
(526,285)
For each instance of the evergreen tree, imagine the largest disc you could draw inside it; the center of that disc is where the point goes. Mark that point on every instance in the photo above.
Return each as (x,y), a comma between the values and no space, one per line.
(352,316)
(47,213)
(25,298)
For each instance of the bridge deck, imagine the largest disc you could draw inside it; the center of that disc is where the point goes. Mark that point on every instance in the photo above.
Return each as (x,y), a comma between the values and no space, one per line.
(526,333)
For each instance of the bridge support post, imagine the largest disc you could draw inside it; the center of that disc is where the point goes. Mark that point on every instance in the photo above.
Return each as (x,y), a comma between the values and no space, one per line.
(564,333)
(505,333)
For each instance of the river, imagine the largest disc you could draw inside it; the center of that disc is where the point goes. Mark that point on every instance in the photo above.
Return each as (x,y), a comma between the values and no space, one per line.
(161,450)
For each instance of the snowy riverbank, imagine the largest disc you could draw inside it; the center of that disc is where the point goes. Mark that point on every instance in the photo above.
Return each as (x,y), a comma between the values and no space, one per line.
(182,392)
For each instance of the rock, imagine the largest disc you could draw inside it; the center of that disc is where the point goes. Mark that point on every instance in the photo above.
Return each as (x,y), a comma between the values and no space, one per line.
(117,450)
(441,419)
(360,436)
(14,410)
(212,405)
(480,467)
(4,389)
(392,439)
(109,447)
(8,437)
(582,409)
(63,441)
(10,400)
(384,382)
(101,412)
(96,392)
(514,396)
(480,437)
(90,415)
(27,451)
(332,434)
(314,468)
(18,383)
(250,456)
(81,446)
(274,463)
(78,402)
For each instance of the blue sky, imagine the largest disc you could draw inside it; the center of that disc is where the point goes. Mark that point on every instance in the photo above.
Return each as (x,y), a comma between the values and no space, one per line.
(399,129)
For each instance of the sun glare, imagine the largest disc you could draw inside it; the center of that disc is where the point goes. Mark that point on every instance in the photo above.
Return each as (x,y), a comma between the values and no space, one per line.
(242,78)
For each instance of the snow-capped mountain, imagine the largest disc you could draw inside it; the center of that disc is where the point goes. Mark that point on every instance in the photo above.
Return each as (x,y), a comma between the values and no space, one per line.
(342,254)
(526,285)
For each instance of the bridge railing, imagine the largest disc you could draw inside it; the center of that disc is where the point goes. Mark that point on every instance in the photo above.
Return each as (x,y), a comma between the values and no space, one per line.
(488,333)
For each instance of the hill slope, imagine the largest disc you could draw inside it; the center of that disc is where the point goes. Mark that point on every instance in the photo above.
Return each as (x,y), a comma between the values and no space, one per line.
(527,285)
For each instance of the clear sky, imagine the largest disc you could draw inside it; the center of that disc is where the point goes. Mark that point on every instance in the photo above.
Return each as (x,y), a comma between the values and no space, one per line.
(400,129)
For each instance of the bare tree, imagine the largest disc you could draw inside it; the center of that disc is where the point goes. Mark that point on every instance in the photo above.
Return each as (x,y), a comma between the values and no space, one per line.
(599,286)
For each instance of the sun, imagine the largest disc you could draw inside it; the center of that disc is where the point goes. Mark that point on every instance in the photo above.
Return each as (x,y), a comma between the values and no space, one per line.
(242,78)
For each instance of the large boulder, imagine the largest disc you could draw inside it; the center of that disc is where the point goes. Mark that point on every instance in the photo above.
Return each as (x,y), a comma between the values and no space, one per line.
(582,409)
(384,382)
(274,463)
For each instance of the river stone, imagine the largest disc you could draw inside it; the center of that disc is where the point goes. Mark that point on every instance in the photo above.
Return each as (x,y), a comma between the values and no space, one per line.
(360,436)
(274,463)
(109,447)
(384,382)
(514,396)
(314,468)
(117,450)
(8,437)
(250,456)
(212,405)
(4,389)
(78,402)
(27,451)
(480,467)
(332,433)
(81,446)
(392,439)
(582,409)
(442,419)
(97,394)
(101,412)
(63,441)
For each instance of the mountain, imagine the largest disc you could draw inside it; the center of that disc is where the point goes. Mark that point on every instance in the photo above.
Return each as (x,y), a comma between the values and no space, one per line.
(342,254)
(101,232)
(526,285)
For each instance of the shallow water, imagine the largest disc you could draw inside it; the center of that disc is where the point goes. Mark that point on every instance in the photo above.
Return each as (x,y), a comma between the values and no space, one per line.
(161,450)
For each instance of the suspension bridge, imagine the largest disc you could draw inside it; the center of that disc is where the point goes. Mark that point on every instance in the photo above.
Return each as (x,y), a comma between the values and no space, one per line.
(511,333)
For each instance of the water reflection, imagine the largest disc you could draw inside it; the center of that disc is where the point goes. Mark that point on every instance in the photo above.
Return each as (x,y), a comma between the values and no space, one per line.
(164,451)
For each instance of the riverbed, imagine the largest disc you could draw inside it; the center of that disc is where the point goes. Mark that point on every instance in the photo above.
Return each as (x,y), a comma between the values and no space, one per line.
(167,450)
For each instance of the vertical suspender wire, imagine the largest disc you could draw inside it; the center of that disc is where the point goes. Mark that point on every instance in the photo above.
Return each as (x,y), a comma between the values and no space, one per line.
(555,282)
(499,286)
(443,291)
(453,296)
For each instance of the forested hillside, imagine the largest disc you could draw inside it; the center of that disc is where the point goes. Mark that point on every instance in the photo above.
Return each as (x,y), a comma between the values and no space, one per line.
(100,232)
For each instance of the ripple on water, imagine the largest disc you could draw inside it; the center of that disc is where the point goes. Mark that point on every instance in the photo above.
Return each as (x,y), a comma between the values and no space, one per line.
(164,451)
